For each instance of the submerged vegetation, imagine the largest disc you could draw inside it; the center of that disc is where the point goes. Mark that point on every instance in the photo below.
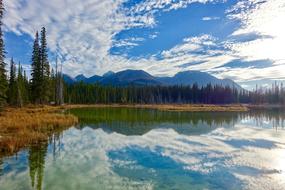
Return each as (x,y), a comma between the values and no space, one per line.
(26,126)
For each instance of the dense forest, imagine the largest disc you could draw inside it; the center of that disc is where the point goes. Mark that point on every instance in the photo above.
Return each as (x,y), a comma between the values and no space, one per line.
(81,93)
(45,86)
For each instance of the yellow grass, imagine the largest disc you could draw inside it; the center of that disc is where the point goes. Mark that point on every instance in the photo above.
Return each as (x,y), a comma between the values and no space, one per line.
(175,107)
(22,127)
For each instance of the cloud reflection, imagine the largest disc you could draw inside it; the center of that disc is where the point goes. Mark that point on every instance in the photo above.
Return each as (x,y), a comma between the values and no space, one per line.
(239,157)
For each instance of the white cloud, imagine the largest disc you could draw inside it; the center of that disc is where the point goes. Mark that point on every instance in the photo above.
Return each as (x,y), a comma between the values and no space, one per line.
(82,32)
(210,18)
(205,49)
(275,72)
(153,6)
(265,18)
(131,42)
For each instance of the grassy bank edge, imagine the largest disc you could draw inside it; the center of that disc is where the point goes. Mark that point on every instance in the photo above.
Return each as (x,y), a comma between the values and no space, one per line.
(171,107)
(22,127)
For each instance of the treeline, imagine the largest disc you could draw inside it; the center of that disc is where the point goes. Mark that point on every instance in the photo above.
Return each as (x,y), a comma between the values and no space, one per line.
(81,93)
(45,85)
(273,95)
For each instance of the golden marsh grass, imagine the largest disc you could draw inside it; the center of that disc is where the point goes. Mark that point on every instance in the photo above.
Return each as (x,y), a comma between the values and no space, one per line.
(175,107)
(22,127)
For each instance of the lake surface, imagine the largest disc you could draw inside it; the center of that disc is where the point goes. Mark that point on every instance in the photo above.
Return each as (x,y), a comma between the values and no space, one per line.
(120,148)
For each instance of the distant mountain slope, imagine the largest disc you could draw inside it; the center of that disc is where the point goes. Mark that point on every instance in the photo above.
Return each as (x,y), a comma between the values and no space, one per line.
(80,78)
(109,73)
(68,79)
(140,77)
(189,78)
(201,78)
(93,79)
(128,77)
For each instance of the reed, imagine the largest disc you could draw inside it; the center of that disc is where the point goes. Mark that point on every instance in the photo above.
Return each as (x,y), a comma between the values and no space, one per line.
(22,127)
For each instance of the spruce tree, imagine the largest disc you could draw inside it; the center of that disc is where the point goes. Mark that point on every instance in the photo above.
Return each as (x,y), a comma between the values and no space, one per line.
(45,68)
(27,88)
(3,77)
(21,88)
(36,72)
(12,92)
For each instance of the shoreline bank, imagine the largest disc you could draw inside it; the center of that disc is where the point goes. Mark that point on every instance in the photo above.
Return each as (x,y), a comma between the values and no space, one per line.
(21,127)
(170,107)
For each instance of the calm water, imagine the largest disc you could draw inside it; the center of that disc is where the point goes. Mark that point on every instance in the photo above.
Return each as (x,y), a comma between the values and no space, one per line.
(147,149)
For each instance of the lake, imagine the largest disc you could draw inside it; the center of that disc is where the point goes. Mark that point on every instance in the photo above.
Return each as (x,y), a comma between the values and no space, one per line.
(125,148)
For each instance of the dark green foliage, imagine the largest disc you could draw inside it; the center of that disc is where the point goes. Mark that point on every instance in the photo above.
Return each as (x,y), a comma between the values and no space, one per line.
(41,82)
(45,69)
(22,90)
(81,93)
(27,89)
(18,93)
(12,92)
(36,72)
(3,77)
(88,94)
(38,90)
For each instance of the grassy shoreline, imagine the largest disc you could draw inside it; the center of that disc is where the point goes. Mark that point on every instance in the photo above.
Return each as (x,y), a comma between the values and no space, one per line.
(22,127)
(171,107)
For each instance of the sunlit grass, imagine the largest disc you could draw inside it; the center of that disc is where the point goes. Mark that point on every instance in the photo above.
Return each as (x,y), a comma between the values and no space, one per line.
(175,107)
(22,127)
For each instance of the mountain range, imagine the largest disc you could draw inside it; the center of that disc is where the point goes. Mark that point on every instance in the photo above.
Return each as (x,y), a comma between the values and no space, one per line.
(140,78)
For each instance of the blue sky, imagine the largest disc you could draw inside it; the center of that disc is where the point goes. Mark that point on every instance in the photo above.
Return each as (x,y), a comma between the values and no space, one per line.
(238,39)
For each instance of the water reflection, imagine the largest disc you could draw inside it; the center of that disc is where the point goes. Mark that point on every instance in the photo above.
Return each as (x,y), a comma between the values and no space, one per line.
(33,160)
(140,121)
(149,149)
(37,154)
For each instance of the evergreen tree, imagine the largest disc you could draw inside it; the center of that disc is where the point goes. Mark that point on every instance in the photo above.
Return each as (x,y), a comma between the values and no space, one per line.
(20,87)
(12,84)
(27,88)
(36,72)
(45,68)
(12,92)
(3,77)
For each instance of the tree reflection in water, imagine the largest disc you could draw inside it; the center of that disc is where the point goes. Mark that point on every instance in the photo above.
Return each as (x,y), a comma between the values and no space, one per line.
(37,154)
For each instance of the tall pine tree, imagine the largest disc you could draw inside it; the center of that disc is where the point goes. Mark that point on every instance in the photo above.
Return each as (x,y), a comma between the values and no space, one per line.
(36,72)
(21,91)
(3,77)
(27,88)
(12,92)
(45,68)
